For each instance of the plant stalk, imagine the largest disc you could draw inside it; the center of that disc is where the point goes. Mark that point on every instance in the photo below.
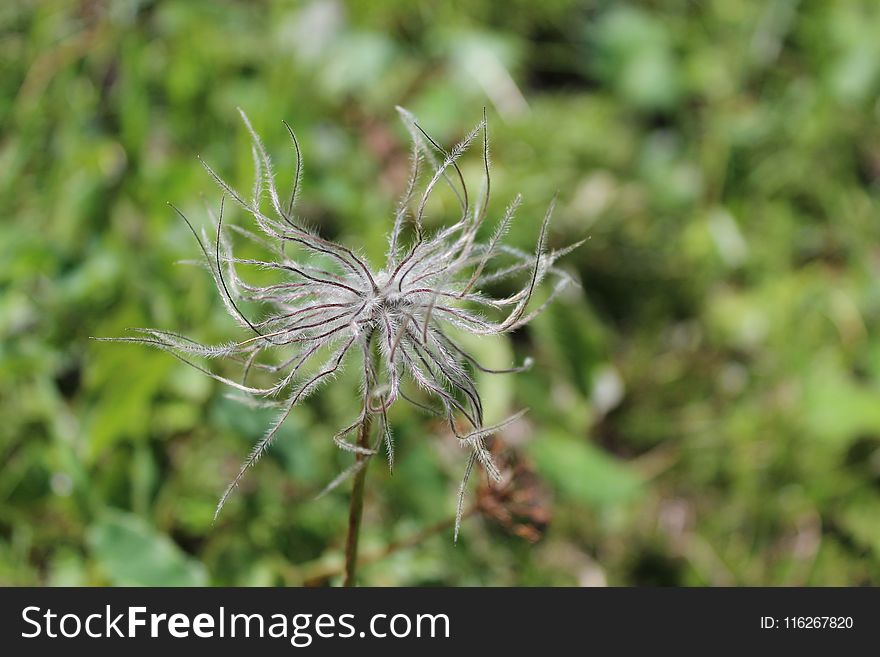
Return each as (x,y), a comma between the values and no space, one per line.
(356,506)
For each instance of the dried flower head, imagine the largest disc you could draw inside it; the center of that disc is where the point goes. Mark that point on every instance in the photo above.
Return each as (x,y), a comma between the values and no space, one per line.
(521,503)
(400,319)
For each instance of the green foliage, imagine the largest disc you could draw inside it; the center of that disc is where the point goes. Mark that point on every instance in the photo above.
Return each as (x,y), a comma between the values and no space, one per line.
(131,553)
(703,411)
(584,474)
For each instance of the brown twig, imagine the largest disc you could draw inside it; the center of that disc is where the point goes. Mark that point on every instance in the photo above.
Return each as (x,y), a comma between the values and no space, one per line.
(414,539)
(324,568)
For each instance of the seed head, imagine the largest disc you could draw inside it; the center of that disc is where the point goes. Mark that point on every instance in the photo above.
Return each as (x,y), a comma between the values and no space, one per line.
(399,321)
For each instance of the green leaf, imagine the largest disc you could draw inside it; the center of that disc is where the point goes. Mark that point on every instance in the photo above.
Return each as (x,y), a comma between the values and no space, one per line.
(836,408)
(584,472)
(132,553)
(129,378)
(496,390)
(635,55)
(574,340)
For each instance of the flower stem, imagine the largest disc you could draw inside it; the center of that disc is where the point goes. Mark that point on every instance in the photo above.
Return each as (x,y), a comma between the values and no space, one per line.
(356,506)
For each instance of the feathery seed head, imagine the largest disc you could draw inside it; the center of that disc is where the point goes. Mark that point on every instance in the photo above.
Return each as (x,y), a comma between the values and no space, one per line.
(398,321)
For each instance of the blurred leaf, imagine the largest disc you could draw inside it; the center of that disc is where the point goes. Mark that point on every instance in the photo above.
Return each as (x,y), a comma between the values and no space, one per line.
(130,379)
(572,335)
(584,472)
(837,409)
(496,389)
(132,553)
(636,57)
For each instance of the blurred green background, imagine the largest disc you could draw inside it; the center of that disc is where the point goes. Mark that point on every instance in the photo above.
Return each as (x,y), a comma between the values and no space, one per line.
(705,411)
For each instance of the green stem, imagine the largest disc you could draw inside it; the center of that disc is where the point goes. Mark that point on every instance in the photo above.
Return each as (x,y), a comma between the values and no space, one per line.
(356,506)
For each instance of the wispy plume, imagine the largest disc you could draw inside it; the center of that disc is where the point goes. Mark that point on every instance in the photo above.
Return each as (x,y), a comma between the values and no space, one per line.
(398,322)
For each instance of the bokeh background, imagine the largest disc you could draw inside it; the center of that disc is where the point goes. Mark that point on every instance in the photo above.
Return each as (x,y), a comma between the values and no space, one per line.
(704,411)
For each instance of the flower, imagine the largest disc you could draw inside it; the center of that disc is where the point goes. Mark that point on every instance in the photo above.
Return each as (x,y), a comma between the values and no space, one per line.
(400,319)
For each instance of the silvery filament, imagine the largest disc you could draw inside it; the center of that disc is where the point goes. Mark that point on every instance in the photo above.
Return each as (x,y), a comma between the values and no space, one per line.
(397,322)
